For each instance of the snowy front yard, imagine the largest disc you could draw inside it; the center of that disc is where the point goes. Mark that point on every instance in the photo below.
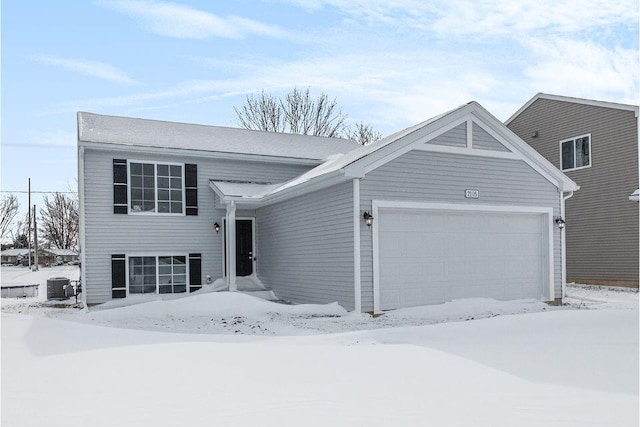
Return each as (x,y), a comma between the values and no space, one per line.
(236,360)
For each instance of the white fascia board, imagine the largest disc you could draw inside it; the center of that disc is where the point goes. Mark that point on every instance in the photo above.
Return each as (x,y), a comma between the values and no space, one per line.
(408,142)
(534,159)
(199,153)
(318,183)
(592,102)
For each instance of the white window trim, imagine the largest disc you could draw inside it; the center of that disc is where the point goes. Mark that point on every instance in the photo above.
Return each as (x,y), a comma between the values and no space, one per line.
(155,177)
(376,205)
(574,153)
(156,255)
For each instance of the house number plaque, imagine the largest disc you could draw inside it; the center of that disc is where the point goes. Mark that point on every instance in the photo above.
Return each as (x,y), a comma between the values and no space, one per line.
(471,194)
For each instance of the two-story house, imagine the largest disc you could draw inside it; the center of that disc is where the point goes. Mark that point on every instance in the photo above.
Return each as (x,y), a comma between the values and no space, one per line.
(454,207)
(595,143)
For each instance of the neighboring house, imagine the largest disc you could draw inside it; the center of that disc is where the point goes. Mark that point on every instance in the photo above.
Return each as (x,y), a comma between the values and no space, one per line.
(54,255)
(14,256)
(596,144)
(454,207)
(45,256)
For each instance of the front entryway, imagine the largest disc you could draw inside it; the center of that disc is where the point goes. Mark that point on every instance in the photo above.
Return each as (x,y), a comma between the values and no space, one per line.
(244,247)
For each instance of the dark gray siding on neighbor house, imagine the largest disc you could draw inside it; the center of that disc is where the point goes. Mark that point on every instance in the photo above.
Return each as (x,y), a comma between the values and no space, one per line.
(305,249)
(602,224)
(437,177)
(107,233)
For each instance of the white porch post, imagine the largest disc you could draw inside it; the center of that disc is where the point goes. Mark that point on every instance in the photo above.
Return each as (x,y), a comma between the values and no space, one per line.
(357,283)
(231,246)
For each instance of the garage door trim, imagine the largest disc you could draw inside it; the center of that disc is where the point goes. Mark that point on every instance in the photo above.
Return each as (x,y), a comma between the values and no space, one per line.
(427,206)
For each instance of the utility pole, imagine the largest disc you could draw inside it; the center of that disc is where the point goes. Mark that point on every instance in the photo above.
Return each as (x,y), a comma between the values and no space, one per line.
(35,239)
(29,216)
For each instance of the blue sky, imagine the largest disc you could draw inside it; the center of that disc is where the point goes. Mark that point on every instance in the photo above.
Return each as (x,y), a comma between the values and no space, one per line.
(388,63)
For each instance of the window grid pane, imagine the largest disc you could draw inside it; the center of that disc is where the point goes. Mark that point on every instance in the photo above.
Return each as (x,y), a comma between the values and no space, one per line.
(172,277)
(142,187)
(170,189)
(582,152)
(567,155)
(142,275)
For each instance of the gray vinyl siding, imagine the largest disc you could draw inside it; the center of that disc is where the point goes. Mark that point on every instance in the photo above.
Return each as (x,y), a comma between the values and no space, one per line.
(107,233)
(305,249)
(456,137)
(602,224)
(483,141)
(437,177)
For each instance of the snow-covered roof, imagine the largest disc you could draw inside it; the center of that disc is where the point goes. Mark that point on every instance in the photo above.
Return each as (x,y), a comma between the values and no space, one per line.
(345,166)
(61,252)
(128,131)
(15,252)
(248,190)
(593,102)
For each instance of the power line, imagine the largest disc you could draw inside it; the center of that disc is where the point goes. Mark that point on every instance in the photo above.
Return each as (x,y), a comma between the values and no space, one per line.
(39,192)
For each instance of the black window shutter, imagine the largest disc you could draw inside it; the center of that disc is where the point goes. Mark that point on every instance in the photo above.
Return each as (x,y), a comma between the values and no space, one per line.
(118,279)
(191,188)
(120,202)
(195,272)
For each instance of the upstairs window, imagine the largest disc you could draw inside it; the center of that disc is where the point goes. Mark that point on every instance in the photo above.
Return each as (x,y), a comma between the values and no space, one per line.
(575,153)
(156,188)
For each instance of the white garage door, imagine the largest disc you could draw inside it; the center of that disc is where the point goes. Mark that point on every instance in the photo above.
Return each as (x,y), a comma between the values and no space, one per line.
(429,257)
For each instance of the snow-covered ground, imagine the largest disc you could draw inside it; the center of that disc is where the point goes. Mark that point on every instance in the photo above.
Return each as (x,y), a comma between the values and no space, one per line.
(236,360)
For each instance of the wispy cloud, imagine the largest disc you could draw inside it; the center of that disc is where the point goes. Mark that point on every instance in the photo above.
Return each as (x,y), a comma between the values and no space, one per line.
(175,20)
(584,69)
(96,69)
(484,17)
(395,97)
(40,138)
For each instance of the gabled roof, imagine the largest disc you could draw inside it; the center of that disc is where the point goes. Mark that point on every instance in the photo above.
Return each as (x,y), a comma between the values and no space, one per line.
(61,252)
(604,104)
(128,131)
(360,161)
(15,252)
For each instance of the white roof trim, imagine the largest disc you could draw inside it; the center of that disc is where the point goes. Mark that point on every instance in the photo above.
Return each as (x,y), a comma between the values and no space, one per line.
(604,104)
(130,148)
(528,154)
(130,131)
(234,190)
(357,163)
(417,136)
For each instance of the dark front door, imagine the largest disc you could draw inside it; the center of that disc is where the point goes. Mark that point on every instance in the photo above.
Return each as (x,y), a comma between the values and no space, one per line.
(244,247)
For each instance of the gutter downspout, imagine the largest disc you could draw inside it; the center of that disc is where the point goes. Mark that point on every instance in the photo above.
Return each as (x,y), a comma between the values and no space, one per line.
(357,285)
(563,242)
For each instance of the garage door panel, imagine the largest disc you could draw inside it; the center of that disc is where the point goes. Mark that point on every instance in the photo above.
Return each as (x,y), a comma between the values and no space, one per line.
(429,257)
(412,245)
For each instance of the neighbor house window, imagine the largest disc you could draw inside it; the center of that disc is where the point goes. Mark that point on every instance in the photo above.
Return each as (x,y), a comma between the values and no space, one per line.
(156,187)
(157,274)
(575,153)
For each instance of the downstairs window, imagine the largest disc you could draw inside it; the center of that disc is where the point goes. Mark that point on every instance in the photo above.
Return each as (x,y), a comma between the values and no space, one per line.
(157,274)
